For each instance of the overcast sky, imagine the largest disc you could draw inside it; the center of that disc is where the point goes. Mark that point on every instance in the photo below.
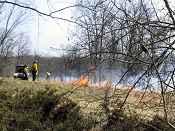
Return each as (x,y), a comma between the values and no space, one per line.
(52,33)
(45,32)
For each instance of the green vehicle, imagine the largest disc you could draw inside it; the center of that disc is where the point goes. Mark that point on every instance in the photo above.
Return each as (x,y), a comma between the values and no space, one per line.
(21,72)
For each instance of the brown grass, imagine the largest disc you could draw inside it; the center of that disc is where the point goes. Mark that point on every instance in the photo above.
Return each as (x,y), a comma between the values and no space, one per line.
(140,105)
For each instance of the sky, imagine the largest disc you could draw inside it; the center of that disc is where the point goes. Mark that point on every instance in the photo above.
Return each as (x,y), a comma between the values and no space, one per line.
(45,32)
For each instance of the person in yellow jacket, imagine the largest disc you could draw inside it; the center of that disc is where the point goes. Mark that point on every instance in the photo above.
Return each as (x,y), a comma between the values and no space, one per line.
(34,70)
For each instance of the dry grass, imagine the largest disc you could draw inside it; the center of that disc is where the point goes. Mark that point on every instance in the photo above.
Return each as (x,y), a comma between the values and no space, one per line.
(93,102)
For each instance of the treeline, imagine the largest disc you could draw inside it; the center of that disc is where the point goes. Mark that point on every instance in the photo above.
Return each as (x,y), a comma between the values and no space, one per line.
(58,66)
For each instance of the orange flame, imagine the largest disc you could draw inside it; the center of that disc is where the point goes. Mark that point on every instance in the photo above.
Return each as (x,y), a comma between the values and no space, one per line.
(82,82)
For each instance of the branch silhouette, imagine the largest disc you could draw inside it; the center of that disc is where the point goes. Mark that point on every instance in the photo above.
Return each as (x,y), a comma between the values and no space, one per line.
(43,13)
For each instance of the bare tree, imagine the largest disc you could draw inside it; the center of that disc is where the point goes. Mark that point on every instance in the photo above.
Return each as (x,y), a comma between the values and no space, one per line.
(12,18)
(135,34)
(22,48)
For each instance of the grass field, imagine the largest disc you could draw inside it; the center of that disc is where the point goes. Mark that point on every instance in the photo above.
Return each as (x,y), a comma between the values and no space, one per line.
(55,106)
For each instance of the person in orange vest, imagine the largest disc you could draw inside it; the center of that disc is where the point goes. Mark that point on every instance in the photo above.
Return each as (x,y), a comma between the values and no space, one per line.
(34,70)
